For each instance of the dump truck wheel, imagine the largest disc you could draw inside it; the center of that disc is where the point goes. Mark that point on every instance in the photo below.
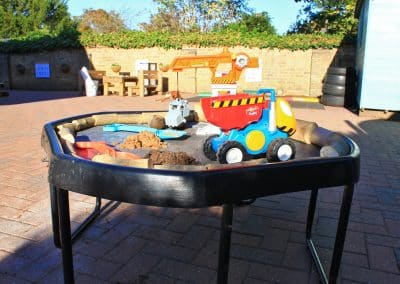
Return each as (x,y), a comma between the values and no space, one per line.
(231,152)
(208,150)
(281,150)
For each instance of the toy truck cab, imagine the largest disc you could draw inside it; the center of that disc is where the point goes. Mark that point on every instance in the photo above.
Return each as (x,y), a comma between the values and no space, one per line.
(177,111)
(251,126)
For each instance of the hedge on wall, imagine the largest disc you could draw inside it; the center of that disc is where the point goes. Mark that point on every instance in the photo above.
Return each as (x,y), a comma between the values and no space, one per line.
(135,39)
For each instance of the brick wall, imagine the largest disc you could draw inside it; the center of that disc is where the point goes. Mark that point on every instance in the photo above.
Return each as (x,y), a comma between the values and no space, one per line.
(59,79)
(290,72)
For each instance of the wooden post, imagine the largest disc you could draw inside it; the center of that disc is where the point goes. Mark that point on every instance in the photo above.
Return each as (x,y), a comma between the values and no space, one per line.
(141,83)
(159,88)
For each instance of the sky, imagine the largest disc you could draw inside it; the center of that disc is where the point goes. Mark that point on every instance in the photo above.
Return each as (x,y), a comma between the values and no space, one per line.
(282,12)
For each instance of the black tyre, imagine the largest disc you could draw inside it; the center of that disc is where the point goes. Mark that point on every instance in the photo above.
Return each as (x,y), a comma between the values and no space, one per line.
(208,150)
(337,71)
(281,150)
(335,80)
(333,89)
(330,100)
(231,152)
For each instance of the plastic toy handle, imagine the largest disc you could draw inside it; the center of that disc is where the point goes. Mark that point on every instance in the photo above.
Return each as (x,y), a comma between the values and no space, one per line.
(131,128)
(161,133)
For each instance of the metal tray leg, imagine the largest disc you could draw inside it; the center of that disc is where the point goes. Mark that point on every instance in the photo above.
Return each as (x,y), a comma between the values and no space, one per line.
(54,196)
(225,243)
(340,234)
(54,215)
(65,234)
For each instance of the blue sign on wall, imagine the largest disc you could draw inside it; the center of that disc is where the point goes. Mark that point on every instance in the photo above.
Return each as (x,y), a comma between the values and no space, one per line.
(42,70)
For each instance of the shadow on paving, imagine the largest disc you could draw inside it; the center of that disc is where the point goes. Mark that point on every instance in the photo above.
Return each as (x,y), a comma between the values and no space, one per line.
(143,244)
(23,97)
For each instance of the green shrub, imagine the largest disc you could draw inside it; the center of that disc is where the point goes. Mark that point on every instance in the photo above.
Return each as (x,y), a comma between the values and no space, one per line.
(40,41)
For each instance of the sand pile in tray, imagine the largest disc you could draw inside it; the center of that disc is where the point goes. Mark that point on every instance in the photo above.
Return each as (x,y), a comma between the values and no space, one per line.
(170,158)
(149,140)
(144,139)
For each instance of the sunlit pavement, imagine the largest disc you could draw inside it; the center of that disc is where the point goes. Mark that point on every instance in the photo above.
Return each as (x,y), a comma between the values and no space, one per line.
(141,244)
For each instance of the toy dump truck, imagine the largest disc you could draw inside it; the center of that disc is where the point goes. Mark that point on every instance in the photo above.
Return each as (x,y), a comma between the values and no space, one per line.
(250,126)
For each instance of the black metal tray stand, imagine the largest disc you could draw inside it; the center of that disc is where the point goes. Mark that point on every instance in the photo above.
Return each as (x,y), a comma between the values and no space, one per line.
(194,189)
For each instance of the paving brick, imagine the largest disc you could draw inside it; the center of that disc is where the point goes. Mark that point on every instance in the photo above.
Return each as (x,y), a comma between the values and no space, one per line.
(86,279)
(326,227)
(264,256)
(393,227)
(10,213)
(35,250)
(380,240)
(261,236)
(157,278)
(55,276)
(297,257)
(212,222)
(98,268)
(8,279)
(157,234)
(368,216)
(259,225)
(355,259)
(355,242)
(147,220)
(91,248)
(12,243)
(208,255)
(94,232)
(237,271)
(255,281)
(364,275)
(11,262)
(125,250)
(284,214)
(367,228)
(277,274)
(276,239)
(136,269)
(382,258)
(16,192)
(397,254)
(117,233)
(183,271)
(15,202)
(196,237)
(40,267)
(394,215)
(169,251)
(183,222)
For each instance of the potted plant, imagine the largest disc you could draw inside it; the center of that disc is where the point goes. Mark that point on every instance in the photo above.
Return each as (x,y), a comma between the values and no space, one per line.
(115,67)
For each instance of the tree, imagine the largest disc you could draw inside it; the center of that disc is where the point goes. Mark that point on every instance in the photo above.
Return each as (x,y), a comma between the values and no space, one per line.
(258,23)
(326,16)
(101,21)
(25,16)
(195,15)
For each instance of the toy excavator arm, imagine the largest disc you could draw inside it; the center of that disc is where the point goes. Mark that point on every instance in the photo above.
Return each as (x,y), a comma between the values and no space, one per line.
(237,61)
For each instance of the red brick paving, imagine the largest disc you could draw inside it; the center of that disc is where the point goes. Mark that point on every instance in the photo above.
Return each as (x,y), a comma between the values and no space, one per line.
(143,244)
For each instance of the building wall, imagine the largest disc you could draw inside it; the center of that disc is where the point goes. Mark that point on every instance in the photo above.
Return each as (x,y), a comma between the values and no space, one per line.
(58,80)
(378,61)
(4,80)
(290,72)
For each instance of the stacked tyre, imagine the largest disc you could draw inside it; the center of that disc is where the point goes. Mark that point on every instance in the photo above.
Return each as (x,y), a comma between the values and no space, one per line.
(334,87)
